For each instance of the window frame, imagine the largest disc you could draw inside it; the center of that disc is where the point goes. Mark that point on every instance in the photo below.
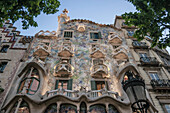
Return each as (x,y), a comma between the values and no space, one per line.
(99,35)
(2,48)
(154,72)
(68,38)
(3,68)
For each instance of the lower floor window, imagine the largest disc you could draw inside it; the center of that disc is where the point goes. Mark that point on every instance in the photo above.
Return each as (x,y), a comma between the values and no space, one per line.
(67,108)
(65,84)
(23,108)
(98,85)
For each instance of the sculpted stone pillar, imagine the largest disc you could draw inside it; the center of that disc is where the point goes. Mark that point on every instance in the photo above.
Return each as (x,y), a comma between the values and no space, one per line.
(19,103)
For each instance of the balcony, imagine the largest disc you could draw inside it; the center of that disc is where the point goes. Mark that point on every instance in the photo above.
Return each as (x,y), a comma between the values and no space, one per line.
(97,52)
(100,71)
(66,50)
(115,39)
(149,61)
(161,84)
(63,70)
(120,53)
(138,45)
(91,94)
(42,50)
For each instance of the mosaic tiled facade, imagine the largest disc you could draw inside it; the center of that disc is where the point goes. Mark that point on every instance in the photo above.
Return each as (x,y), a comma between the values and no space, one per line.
(80,68)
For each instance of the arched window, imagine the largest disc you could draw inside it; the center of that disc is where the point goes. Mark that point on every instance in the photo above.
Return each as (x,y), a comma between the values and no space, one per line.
(68,108)
(83,107)
(30,82)
(51,109)
(97,109)
(23,108)
(112,109)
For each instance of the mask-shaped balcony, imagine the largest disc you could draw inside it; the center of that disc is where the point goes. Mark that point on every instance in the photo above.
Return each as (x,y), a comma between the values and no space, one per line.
(120,53)
(115,39)
(42,50)
(99,71)
(139,45)
(66,50)
(149,61)
(97,52)
(63,70)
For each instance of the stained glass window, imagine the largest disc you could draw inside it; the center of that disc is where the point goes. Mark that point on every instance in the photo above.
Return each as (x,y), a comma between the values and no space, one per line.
(23,108)
(30,82)
(97,109)
(51,109)
(112,109)
(68,108)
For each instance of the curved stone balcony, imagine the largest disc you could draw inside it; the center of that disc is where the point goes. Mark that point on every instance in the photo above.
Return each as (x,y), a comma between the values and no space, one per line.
(42,50)
(97,52)
(73,94)
(115,39)
(120,53)
(63,69)
(99,71)
(66,50)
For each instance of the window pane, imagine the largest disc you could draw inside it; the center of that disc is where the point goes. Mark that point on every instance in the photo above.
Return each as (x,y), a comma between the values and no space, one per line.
(154,76)
(167,106)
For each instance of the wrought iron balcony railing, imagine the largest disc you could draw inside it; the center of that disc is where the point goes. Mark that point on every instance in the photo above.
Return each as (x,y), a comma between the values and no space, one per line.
(137,44)
(161,84)
(149,60)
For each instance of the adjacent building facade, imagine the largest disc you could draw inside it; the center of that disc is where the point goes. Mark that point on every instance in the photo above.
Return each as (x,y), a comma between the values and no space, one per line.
(83,67)
(12,49)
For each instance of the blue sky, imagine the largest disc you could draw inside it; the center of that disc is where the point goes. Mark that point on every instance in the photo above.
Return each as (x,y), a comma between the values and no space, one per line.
(100,11)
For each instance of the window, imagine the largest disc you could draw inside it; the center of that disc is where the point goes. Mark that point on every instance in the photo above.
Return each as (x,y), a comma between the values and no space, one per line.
(95,35)
(154,76)
(97,109)
(65,84)
(144,57)
(130,32)
(51,108)
(23,108)
(97,61)
(68,34)
(167,107)
(68,108)
(98,85)
(2,66)
(30,83)
(4,48)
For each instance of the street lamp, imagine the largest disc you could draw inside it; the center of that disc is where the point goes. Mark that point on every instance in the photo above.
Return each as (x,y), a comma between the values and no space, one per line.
(134,86)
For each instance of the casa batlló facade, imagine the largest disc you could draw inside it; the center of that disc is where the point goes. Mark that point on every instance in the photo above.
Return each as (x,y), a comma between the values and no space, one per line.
(86,67)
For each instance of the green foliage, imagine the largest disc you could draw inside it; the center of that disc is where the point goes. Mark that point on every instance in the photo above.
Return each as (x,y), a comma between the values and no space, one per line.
(26,10)
(152,19)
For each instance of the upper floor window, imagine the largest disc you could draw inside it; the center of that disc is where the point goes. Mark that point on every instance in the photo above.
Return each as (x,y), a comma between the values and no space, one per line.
(143,55)
(64,84)
(130,32)
(2,66)
(30,82)
(97,61)
(154,76)
(68,34)
(4,48)
(98,85)
(95,35)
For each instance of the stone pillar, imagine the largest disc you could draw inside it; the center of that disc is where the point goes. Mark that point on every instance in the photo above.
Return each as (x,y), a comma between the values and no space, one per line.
(58,107)
(19,103)
(107,108)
